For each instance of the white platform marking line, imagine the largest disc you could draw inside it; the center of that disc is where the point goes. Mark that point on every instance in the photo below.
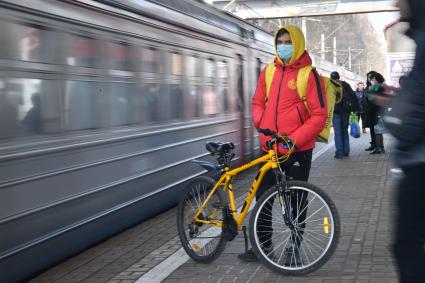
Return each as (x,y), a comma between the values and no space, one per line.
(173,262)
(323,150)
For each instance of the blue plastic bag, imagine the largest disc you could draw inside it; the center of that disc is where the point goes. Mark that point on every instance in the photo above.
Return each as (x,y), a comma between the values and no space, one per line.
(355,130)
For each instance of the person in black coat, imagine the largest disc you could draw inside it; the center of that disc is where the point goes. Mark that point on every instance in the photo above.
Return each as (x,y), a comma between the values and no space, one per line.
(406,122)
(369,112)
(376,112)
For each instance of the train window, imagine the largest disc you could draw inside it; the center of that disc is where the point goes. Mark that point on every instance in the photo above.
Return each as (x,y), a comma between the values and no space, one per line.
(120,103)
(223,74)
(151,61)
(191,66)
(136,62)
(29,43)
(223,71)
(225,99)
(80,105)
(135,105)
(258,67)
(176,101)
(151,106)
(28,107)
(210,68)
(82,51)
(192,109)
(118,56)
(176,64)
(210,102)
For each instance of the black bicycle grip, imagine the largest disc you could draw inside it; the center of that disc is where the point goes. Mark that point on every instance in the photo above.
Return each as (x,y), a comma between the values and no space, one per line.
(267,132)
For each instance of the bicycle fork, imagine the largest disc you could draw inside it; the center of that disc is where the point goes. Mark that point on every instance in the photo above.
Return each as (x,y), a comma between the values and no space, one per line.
(284,197)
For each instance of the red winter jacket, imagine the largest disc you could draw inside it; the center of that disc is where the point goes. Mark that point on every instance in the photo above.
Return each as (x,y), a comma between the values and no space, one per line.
(284,111)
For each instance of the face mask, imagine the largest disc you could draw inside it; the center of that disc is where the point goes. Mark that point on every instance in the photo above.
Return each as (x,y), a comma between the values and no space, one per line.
(285,51)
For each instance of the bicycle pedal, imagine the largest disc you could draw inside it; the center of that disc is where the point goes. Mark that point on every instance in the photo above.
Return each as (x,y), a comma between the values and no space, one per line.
(218,205)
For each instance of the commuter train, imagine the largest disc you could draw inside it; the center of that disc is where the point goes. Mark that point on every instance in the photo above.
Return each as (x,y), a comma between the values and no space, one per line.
(102,106)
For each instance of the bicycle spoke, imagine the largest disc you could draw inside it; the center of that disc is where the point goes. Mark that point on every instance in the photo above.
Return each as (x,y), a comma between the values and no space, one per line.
(305,253)
(296,219)
(325,242)
(277,245)
(284,248)
(312,215)
(313,244)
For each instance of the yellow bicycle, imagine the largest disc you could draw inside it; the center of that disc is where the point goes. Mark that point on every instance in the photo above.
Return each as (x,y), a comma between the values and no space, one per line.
(294,227)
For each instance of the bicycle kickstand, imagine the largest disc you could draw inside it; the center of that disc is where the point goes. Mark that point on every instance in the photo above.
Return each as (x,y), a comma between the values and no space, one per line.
(245,236)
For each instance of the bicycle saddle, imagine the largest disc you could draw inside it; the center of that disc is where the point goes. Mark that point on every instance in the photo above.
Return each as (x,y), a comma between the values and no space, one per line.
(219,147)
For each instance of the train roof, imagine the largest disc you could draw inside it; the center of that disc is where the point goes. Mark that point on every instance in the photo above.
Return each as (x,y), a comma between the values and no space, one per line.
(195,9)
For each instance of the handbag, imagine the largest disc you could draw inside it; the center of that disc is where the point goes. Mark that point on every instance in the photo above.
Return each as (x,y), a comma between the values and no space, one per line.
(380,127)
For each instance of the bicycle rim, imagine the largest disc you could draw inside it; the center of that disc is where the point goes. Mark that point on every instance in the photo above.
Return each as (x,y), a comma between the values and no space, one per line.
(202,242)
(312,240)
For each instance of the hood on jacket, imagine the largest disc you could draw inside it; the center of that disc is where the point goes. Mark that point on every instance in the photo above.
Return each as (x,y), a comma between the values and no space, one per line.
(298,43)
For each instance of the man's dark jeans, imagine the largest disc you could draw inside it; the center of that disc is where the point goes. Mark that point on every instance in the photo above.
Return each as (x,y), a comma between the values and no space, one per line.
(297,168)
(342,139)
(410,226)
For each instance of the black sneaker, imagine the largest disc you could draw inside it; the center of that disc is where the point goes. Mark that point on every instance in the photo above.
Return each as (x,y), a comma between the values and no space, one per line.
(248,256)
(370,148)
(378,150)
(292,257)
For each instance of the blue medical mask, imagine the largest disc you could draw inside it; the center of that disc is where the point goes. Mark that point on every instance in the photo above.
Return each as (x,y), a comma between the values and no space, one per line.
(285,51)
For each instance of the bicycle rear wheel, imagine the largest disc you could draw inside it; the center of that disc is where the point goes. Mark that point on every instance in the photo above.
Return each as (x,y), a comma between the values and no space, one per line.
(306,241)
(202,242)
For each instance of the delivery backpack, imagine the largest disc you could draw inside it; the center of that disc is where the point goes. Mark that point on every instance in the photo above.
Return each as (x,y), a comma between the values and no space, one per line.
(332,89)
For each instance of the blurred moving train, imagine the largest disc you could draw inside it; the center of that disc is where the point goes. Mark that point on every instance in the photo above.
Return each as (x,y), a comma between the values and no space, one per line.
(102,106)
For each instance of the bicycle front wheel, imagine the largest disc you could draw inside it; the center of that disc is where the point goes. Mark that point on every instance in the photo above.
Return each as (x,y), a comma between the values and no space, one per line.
(302,242)
(202,242)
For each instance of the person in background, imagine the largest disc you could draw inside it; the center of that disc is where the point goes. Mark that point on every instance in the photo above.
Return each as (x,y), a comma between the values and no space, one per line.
(33,118)
(406,122)
(377,112)
(369,110)
(360,97)
(402,81)
(340,120)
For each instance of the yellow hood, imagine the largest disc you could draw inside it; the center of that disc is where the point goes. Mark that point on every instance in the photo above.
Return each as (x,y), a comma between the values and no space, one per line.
(298,42)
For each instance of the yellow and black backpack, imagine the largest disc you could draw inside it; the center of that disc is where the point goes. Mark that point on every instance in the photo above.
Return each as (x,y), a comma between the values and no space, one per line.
(333,94)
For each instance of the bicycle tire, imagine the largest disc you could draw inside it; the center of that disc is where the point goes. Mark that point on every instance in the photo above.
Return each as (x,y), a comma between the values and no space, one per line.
(269,254)
(202,185)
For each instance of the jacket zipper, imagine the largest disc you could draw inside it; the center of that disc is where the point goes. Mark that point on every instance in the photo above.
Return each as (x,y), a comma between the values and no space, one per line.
(278,98)
(299,115)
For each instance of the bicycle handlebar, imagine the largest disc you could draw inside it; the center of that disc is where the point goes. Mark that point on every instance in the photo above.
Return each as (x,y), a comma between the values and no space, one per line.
(267,132)
(276,136)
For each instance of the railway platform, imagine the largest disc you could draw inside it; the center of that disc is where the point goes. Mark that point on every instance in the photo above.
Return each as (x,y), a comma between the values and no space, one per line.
(360,186)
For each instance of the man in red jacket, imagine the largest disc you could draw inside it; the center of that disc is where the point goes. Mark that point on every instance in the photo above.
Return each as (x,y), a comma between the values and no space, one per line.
(282,111)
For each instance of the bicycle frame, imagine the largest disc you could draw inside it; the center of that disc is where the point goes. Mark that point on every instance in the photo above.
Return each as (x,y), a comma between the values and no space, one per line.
(270,161)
